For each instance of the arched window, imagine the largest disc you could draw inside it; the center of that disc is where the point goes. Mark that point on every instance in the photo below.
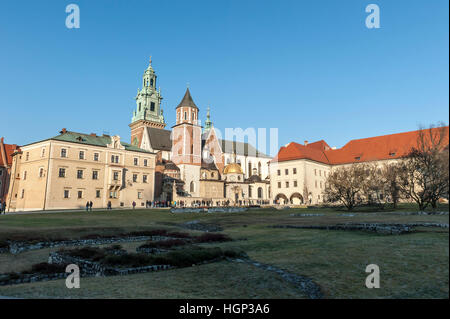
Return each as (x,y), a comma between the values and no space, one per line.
(250,192)
(249,168)
(192,187)
(139,106)
(185,116)
(151,82)
(259,169)
(260,192)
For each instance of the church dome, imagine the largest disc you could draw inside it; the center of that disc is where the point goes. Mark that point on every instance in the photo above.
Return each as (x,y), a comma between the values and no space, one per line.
(233,168)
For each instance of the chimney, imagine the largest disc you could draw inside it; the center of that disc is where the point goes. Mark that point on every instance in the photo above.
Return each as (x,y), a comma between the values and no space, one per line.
(306,143)
(93,134)
(2,140)
(63,131)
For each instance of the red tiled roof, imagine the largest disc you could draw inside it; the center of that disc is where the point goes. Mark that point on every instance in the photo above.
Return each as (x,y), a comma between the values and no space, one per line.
(361,150)
(9,150)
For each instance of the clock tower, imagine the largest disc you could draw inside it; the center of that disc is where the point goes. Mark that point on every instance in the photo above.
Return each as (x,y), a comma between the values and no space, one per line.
(148,112)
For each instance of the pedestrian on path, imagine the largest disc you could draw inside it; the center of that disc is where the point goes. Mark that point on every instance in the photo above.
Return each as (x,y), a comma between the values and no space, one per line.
(90,206)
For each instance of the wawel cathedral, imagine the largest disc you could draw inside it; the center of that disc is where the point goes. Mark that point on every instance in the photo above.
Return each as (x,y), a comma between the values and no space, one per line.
(194,166)
(189,164)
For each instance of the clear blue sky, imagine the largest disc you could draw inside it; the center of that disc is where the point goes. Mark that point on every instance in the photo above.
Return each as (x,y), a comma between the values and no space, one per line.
(310,68)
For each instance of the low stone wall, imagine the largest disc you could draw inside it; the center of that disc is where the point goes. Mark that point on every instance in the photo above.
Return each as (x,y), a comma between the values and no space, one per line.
(227,209)
(18,247)
(146,250)
(377,228)
(307,215)
(90,268)
(392,229)
(209,210)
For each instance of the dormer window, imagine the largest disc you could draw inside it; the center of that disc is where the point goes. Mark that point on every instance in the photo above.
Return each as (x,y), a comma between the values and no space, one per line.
(392,154)
(357,158)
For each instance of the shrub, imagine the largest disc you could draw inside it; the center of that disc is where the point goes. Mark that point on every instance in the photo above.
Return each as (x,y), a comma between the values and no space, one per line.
(154,232)
(46,268)
(4,244)
(114,247)
(164,243)
(91,253)
(129,260)
(210,237)
(179,235)
(234,253)
(189,257)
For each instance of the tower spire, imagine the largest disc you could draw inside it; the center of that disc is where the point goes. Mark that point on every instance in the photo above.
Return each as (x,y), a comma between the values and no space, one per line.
(208,122)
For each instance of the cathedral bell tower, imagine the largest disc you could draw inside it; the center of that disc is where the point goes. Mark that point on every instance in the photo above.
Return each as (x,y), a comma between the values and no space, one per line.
(148,112)
(187,133)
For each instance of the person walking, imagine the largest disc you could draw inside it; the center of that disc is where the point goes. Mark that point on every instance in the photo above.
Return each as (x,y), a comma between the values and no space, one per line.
(90,206)
(87,206)
(1,207)
(109,205)
(134,204)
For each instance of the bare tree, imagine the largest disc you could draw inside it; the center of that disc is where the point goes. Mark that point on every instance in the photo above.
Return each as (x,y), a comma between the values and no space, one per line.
(389,177)
(424,173)
(345,183)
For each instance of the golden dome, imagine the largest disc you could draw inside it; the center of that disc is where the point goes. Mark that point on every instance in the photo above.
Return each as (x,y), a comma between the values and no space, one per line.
(233,168)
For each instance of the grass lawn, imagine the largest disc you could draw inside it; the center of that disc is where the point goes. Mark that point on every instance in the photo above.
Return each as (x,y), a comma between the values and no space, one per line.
(413,265)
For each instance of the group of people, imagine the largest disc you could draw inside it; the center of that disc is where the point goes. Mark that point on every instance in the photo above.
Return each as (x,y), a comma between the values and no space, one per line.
(162,203)
(89,206)
(2,207)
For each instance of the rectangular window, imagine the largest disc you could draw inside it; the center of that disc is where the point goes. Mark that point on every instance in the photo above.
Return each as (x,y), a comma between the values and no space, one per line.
(135,161)
(279,172)
(316,184)
(145,162)
(294,170)
(66,193)
(41,172)
(315,172)
(81,155)
(320,173)
(96,157)
(27,156)
(320,184)
(139,195)
(116,176)
(80,194)
(43,152)
(94,174)
(117,159)
(286,171)
(63,152)
(112,158)
(144,178)
(97,193)
(152,106)
(135,177)
(279,184)
(80,174)
(295,183)
(287,184)
(62,172)
(24,175)
(22,194)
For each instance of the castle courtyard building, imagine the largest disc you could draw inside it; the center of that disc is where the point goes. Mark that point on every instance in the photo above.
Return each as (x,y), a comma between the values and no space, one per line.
(298,172)
(68,170)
